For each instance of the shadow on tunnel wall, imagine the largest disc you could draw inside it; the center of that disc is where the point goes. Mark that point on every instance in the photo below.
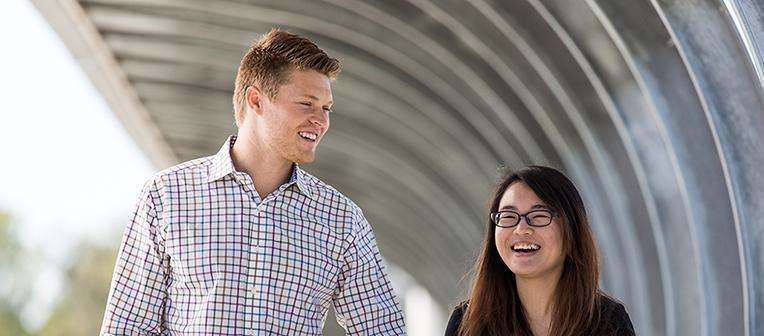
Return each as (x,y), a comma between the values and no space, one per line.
(654,108)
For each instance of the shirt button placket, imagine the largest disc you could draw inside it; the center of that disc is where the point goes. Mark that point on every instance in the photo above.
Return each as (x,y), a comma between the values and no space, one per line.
(254,272)
(257,251)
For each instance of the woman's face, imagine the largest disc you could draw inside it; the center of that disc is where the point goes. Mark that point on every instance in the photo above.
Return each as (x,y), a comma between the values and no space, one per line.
(529,252)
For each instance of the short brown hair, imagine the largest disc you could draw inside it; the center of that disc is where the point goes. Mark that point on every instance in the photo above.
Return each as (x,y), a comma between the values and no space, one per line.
(268,61)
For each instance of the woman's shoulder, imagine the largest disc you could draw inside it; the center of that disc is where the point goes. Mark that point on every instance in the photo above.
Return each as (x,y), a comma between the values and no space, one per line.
(456,319)
(613,316)
(461,307)
(609,303)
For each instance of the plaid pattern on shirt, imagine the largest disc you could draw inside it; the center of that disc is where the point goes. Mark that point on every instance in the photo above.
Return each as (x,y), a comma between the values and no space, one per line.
(204,255)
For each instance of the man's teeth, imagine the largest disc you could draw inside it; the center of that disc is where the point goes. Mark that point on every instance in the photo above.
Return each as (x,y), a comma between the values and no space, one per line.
(525,247)
(309,136)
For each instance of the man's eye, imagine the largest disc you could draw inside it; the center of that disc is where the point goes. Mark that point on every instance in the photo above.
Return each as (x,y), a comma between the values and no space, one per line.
(326,109)
(305,104)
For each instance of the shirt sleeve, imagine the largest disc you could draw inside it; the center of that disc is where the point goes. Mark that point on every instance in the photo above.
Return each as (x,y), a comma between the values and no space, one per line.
(364,300)
(136,301)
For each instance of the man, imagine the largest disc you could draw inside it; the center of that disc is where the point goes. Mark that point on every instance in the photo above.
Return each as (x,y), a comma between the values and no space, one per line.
(245,242)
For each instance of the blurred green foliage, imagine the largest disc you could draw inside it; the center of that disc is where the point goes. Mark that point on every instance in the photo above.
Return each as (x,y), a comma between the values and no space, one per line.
(10,251)
(79,311)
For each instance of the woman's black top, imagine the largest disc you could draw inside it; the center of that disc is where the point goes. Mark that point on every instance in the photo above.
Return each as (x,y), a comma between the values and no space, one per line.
(613,321)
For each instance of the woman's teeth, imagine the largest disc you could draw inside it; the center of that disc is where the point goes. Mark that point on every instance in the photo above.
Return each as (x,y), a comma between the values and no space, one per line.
(522,247)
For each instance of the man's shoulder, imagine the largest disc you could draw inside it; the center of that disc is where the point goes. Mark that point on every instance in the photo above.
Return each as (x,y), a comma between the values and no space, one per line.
(192,171)
(324,192)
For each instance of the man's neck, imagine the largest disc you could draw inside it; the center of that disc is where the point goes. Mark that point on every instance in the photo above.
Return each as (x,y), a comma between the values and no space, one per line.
(268,171)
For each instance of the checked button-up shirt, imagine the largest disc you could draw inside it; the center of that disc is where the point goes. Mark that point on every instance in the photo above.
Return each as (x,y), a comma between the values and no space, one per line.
(204,255)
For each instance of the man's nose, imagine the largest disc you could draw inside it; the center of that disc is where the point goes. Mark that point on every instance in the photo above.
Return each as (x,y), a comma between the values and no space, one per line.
(320,118)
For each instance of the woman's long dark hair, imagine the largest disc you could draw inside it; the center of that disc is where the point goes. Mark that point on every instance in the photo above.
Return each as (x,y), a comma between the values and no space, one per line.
(494,305)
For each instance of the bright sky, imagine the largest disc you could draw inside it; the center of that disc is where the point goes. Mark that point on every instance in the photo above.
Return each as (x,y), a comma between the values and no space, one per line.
(69,170)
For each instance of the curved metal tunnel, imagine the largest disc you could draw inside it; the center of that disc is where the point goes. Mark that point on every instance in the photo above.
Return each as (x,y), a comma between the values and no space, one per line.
(654,108)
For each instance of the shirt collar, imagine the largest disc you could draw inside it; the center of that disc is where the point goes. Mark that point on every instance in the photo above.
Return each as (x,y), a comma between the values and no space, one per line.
(300,177)
(222,165)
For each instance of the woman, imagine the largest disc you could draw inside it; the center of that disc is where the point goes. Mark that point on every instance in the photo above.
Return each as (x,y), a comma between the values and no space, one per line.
(538,270)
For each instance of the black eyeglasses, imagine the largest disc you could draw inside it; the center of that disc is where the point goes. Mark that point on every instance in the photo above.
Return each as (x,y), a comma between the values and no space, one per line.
(509,218)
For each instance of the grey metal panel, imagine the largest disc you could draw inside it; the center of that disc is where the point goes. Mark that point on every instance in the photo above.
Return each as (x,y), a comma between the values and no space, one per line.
(732,97)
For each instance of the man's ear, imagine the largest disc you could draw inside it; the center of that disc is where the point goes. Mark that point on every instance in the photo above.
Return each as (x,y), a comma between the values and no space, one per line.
(254,99)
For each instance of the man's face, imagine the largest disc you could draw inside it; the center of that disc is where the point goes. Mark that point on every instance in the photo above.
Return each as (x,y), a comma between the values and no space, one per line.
(295,121)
